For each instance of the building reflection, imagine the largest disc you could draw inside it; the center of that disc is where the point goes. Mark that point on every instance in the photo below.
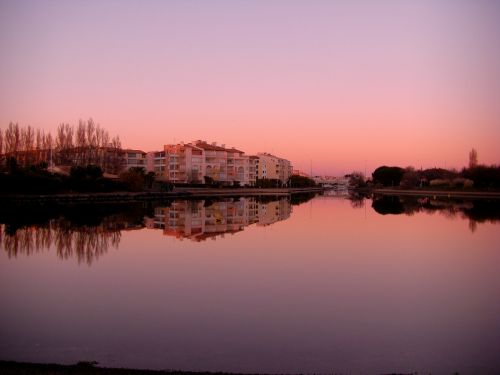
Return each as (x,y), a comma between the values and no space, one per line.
(202,219)
(85,234)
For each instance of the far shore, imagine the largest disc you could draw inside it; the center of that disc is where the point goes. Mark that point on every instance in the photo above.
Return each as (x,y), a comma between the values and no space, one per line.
(440,193)
(177,193)
(86,368)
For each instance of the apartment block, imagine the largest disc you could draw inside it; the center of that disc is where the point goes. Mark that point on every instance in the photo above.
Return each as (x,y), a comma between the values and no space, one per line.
(200,162)
(133,159)
(272,167)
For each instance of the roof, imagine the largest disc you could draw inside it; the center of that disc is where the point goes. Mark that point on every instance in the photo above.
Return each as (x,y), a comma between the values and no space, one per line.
(132,150)
(211,147)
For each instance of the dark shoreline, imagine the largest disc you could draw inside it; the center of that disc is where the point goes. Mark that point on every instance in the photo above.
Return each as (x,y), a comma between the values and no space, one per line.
(178,193)
(84,368)
(440,193)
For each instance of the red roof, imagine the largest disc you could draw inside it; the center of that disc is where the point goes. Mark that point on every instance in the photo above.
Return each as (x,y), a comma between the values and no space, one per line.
(210,147)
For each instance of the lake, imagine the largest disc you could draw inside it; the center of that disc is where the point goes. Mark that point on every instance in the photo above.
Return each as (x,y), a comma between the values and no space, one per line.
(308,284)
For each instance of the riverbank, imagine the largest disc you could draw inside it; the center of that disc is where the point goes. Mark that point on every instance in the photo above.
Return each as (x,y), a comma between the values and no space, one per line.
(178,193)
(22,368)
(440,193)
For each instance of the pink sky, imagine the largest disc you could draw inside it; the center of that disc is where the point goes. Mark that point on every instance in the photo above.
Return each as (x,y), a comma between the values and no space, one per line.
(337,83)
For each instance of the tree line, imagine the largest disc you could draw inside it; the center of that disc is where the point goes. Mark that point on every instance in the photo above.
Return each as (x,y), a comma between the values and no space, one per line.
(475,175)
(84,144)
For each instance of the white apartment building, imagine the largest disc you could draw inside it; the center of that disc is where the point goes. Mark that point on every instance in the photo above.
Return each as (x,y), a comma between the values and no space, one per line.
(271,167)
(133,159)
(200,162)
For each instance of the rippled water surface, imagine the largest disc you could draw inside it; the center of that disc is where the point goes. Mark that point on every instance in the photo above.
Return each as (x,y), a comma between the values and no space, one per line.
(325,285)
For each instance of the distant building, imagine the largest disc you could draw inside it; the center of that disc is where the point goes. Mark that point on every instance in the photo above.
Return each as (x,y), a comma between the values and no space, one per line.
(297,172)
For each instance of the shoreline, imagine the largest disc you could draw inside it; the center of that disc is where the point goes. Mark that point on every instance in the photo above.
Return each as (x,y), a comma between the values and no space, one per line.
(440,193)
(178,193)
(88,368)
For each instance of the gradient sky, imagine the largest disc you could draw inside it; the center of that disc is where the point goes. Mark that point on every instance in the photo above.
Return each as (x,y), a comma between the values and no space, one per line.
(337,83)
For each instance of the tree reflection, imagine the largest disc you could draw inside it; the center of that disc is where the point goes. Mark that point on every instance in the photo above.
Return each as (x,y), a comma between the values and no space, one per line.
(85,243)
(84,232)
(476,211)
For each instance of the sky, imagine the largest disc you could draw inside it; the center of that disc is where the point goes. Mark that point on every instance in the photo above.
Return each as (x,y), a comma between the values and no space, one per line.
(333,86)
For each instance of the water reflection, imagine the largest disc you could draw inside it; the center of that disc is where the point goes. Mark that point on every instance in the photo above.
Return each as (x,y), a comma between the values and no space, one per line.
(84,232)
(87,232)
(476,211)
(202,219)
(86,244)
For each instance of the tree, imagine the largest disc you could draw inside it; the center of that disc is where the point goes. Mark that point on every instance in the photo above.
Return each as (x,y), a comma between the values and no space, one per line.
(149,179)
(472,158)
(12,140)
(388,176)
(410,178)
(114,156)
(64,143)
(134,178)
(1,145)
(356,179)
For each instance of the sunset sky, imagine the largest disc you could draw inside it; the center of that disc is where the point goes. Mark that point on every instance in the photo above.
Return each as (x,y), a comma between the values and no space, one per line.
(335,83)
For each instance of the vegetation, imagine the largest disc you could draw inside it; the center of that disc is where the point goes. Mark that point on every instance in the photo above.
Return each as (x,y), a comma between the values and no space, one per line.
(357,180)
(37,179)
(268,183)
(81,145)
(475,176)
(301,181)
(388,176)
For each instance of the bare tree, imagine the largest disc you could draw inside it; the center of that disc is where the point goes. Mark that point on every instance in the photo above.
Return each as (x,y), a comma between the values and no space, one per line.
(473,158)
(356,179)
(87,143)
(12,140)
(64,143)
(38,145)
(91,141)
(80,143)
(1,144)
(114,156)
(27,144)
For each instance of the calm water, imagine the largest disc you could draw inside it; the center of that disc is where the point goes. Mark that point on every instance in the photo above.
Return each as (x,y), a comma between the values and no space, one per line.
(327,285)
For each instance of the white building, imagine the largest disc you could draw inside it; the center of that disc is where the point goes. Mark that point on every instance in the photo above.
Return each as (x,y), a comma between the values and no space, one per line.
(200,162)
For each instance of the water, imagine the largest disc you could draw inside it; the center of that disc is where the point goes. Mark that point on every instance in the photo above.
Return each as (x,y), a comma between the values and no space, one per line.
(326,285)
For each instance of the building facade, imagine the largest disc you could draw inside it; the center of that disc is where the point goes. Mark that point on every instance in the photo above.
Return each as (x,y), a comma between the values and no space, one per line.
(200,162)
(133,159)
(271,167)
